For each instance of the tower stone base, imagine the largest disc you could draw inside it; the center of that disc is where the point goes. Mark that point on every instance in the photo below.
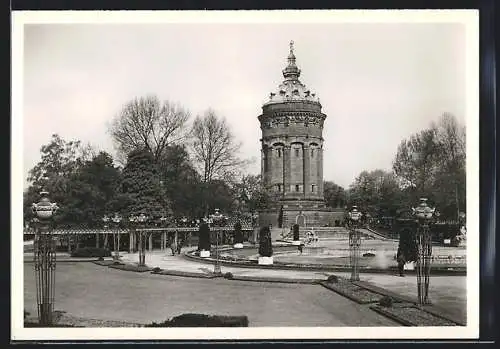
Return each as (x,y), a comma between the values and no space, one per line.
(304,213)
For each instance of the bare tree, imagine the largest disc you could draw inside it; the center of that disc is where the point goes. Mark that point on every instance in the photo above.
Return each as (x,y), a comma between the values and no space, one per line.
(146,122)
(215,148)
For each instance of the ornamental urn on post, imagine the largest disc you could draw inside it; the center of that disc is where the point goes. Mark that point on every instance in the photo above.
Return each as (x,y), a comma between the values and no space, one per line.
(424,216)
(354,218)
(44,257)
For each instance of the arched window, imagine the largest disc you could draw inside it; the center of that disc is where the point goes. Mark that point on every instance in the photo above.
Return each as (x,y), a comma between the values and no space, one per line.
(297,187)
(312,153)
(313,188)
(279,153)
(296,151)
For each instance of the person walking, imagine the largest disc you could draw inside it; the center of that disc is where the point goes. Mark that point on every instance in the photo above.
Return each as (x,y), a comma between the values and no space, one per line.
(401,262)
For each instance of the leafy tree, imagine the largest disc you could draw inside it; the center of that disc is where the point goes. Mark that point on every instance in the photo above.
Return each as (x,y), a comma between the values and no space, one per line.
(217,194)
(140,187)
(450,180)
(416,162)
(431,164)
(251,193)
(60,160)
(148,123)
(93,187)
(335,195)
(180,181)
(376,192)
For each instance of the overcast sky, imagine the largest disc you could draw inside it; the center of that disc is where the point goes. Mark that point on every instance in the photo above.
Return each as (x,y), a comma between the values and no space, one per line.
(378,83)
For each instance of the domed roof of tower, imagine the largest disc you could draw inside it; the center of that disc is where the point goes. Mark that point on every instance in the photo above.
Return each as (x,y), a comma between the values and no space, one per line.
(291,89)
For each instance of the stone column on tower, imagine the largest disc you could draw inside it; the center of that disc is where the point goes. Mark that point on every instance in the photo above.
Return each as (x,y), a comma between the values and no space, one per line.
(286,169)
(307,171)
(320,172)
(262,159)
(270,167)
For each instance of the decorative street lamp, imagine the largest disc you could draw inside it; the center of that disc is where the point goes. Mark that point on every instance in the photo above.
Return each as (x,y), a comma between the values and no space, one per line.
(116,236)
(354,217)
(44,257)
(142,218)
(105,220)
(217,269)
(424,216)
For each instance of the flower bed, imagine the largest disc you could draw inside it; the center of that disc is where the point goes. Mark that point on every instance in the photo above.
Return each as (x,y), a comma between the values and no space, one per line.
(103,263)
(185,273)
(130,267)
(356,293)
(410,315)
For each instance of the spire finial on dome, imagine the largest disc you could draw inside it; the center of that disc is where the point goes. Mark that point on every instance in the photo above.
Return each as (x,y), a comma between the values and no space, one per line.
(291,72)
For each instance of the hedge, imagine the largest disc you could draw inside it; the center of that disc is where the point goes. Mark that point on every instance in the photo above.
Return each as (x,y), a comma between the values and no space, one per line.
(204,237)
(265,245)
(296,235)
(203,320)
(91,252)
(238,235)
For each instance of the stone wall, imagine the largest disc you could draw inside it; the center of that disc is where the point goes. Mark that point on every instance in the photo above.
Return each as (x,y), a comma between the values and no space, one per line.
(318,218)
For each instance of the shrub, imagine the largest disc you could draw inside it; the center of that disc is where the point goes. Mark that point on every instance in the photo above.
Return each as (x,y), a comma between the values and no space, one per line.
(202,320)
(265,245)
(228,275)
(333,279)
(238,235)
(156,270)
(117,263)
(296,236)
(386,301)
(408,245)
(204,237)
(368,254)
(91,252)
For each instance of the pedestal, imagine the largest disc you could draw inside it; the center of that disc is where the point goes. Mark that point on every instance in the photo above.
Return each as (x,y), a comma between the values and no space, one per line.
(266,260)
(409,266)
(204,254)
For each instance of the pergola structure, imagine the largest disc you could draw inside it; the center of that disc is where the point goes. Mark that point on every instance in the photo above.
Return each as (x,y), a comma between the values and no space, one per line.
(105,235)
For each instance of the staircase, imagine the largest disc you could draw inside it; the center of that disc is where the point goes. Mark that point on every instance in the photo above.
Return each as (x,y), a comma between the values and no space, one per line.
(330,233)
(319,232)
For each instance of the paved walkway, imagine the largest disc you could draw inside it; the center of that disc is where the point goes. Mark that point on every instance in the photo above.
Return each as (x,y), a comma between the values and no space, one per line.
(90,291)
(448,292)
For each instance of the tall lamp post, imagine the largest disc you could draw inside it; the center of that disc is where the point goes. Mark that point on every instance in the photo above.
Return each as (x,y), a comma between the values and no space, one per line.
(116,236)
(45,258)
(105,220)
(424,216)
(354,217)
(217,270)
(141,219)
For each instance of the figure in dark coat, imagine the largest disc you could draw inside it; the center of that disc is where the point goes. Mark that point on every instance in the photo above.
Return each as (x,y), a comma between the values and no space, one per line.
(401,262)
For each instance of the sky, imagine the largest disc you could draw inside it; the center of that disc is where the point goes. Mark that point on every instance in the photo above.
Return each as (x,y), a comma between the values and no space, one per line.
(378,83)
